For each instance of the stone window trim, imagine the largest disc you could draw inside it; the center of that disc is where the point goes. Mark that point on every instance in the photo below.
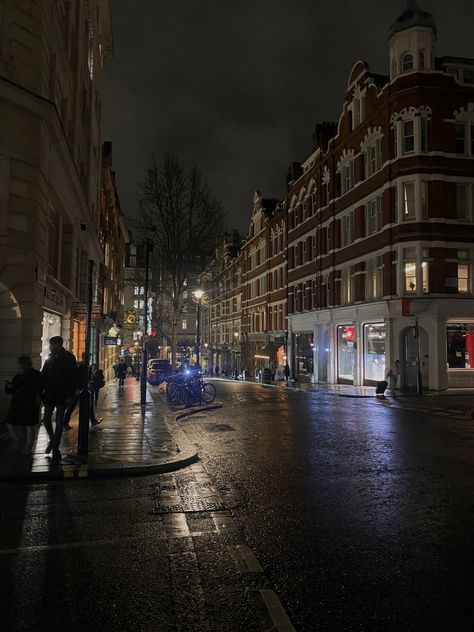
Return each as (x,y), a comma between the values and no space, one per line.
(345,167)
(397,121)
(417,214)
(413,267)
(464,117)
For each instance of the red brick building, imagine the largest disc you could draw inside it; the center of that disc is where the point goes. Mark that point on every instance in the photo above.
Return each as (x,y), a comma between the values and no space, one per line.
(264,288)
(382,211)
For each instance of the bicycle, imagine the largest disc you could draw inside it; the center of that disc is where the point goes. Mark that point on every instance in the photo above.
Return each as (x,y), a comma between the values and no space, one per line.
(186,390)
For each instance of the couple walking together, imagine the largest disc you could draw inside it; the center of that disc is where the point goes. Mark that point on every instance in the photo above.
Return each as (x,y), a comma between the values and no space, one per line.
(58,385)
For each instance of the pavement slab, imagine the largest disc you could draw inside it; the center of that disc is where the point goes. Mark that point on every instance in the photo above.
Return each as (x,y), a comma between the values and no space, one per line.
(130,440)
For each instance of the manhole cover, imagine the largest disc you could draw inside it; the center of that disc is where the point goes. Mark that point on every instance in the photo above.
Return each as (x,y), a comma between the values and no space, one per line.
(220,428)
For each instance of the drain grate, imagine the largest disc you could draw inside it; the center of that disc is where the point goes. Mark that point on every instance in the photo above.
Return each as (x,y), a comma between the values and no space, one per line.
(187,498)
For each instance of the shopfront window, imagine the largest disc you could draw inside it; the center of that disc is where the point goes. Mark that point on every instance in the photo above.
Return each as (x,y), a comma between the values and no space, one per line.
(460,342)
(374,352)
(346,348)
(51,327)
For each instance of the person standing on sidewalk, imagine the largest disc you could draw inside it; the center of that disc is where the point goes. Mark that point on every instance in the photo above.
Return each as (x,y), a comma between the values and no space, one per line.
(59,385)
(392,376)
(98,381)
(24,409)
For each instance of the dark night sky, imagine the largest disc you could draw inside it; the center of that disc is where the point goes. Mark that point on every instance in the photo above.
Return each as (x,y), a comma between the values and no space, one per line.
(237,85)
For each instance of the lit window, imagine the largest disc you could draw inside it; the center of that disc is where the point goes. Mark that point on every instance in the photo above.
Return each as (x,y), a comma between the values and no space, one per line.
(374,278)
(408,189)
(348,284)
(410,276)
(407,62)
(408,136)
(424,274)
(463,278)
(184,324)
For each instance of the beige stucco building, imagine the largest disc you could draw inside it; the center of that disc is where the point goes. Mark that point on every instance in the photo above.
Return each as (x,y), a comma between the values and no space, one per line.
(51,65)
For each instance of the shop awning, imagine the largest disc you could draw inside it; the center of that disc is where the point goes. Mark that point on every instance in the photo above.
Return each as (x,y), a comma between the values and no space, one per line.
(268,351)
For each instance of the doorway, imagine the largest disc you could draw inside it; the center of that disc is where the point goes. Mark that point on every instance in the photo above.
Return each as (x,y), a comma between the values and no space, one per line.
(409,359)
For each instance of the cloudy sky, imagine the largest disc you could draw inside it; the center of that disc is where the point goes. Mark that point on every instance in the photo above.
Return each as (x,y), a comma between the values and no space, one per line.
(236,86)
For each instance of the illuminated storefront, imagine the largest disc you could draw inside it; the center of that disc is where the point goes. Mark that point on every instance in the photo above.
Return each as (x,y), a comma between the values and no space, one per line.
(346,353)
(374,352)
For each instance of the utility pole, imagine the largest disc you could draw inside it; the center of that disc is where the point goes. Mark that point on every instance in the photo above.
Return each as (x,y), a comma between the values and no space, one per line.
(145,327)
(84,398)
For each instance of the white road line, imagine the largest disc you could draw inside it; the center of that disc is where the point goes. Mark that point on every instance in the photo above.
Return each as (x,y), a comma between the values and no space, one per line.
(76,545)
(250,562)
(276,611)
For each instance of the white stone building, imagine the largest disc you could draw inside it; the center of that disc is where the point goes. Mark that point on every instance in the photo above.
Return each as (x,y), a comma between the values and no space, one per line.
(51,64)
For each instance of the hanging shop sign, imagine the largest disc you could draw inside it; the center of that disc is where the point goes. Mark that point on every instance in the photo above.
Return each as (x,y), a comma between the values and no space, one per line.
(112,341)
(54,299)
(79,311)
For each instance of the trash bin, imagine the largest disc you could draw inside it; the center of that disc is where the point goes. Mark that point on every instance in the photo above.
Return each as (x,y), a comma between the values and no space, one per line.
(266,376)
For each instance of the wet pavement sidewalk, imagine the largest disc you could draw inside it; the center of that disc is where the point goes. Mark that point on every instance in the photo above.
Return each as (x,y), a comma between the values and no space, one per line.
(349,390)
(129,441)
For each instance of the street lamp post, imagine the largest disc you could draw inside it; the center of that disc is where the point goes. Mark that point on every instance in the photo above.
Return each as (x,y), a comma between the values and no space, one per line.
(198,294)
(148,249)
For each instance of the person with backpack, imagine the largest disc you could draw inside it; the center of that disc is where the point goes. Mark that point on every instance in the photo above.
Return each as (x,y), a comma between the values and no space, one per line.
(98,381)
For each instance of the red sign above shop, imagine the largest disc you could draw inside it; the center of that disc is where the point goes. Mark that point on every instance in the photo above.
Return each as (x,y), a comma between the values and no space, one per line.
(348,333)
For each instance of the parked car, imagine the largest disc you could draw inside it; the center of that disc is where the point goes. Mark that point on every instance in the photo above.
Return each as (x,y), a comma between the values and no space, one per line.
(158,370)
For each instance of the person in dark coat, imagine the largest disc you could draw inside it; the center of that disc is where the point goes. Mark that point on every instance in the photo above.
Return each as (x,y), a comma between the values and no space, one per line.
(287,372)
(98,381)
(122,371)
(24,409)
(59,384)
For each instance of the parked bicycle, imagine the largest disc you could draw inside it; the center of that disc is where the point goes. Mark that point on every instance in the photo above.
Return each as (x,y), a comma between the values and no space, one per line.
(188,390)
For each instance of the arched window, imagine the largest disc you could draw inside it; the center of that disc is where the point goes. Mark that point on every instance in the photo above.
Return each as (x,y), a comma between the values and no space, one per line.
(407,62)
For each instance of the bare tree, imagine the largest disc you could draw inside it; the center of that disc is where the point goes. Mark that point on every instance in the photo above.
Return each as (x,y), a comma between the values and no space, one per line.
(179,214)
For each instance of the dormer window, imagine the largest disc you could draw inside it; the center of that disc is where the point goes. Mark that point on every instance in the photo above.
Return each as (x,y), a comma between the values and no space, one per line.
(407,62)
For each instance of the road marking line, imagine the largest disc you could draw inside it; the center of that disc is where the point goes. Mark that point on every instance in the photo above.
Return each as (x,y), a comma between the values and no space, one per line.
(75,545)
(247,556)
(224,524)
(276,611)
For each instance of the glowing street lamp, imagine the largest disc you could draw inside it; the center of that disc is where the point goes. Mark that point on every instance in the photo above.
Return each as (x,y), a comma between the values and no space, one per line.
(198,294)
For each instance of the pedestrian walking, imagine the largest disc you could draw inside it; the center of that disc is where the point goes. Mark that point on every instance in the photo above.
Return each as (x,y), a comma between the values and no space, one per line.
(24,410)
(273,370)
(59,386)
(287,372)
(122,372)
(392,375)
(98,381)
(217,369)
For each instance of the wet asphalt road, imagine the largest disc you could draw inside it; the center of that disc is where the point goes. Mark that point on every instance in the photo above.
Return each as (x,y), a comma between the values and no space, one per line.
(357,514)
